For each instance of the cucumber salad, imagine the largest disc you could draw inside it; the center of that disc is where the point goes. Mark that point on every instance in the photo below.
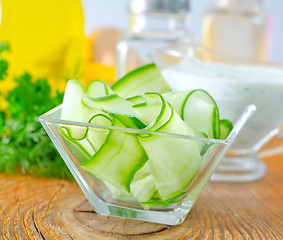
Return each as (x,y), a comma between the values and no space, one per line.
(151,168)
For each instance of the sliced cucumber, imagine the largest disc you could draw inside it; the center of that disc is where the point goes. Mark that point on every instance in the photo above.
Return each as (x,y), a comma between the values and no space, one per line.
(173,162)
(143,189)
(81,149)
(118,159)
(136,99)
(155,169)
(200,112)
(118,194)
(112,104)
(129,122)
(97,136)
(118,107)
(225,128)
(72,101)
(155,112)
(73,109)
(98,88)
(93,138)
(176,99)
(144,79)
(100,96)
(143,186)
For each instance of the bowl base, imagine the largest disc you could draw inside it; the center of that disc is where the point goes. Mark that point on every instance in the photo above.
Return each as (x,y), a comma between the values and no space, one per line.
(239,169)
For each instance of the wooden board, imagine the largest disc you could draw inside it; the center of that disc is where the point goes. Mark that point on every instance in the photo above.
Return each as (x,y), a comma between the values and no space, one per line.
(40,208)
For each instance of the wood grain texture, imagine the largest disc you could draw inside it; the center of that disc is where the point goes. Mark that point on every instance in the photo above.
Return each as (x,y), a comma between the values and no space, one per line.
(40,208)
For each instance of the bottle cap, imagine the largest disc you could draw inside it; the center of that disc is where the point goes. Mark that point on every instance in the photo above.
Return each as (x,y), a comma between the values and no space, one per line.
(159,6)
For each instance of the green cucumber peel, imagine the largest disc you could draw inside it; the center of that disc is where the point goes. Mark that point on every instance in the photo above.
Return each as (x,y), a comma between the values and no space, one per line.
(120,153)
(97,88)
(136,99)
(86,130)
(97,136)
(176,99)
(76,142)
(162,127)
(143,79)
(225,128)
(158,123)
(176,163)
(129,122)
(153,100)
(207,99)
(100,115)
(216,122)
(143,104)
(160,203)
(72,105)
(112,103)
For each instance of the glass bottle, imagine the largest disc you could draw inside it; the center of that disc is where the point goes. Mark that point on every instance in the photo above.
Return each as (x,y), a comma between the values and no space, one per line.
(236,28)
(153,24)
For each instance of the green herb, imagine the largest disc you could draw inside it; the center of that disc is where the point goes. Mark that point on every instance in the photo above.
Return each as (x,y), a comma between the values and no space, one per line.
(24,145)
(3,63)
(4,47)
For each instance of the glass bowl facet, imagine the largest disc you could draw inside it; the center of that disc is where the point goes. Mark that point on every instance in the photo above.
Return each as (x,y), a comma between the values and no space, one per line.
(169,149)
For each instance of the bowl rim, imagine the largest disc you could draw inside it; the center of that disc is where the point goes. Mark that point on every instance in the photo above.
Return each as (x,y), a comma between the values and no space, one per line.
(247,112)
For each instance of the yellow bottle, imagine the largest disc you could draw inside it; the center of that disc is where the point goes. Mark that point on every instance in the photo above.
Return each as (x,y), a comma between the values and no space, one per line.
(46,38)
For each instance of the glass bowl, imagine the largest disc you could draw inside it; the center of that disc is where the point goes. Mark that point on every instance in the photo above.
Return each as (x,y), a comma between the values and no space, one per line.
(170,148)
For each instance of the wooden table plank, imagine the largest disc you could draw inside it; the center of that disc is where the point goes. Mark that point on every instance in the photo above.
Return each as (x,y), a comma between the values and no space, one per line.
(40,208)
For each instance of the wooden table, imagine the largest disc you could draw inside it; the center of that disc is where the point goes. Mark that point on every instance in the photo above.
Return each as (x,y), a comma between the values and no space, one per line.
(38,208)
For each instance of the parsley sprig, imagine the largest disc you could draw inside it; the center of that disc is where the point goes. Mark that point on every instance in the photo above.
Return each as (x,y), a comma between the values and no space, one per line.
(24,145)
(3,63)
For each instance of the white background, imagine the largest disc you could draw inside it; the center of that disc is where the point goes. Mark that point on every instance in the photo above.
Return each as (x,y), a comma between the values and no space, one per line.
(113,13)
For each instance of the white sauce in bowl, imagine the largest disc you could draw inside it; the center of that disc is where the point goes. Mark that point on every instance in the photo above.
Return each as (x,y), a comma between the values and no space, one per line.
(248,84)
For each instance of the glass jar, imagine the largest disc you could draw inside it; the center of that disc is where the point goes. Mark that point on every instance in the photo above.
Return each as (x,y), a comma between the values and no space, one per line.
(153,24)
(236,28)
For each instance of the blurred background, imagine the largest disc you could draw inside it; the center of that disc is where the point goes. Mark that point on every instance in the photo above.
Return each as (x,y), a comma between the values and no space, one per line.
(113,13)
(88,39)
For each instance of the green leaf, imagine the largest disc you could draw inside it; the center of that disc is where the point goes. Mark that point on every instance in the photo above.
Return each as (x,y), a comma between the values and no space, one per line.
(3,69)
(4,46)
(3,64)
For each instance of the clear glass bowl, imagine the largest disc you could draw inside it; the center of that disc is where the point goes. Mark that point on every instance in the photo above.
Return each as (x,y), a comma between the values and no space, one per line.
(108,202)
